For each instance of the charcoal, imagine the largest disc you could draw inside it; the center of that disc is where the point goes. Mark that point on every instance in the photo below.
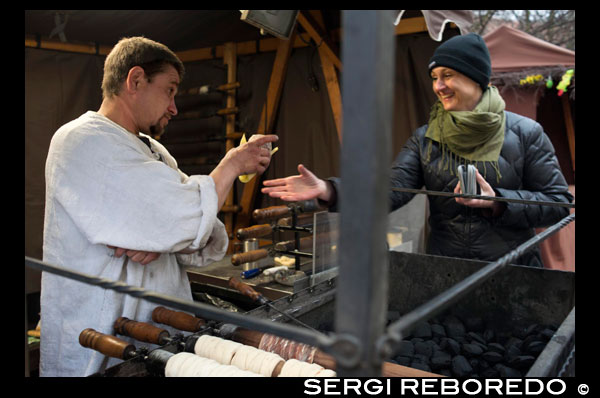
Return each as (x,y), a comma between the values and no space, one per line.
(520,332)
(528,340)
(440,359)
(489,373)
(461,339)
(474,364)
(404,361)
(460,366)
(454,327)
(506,371)
(476,337)
(533,329)
(450,345)
(421,358)
(499,348)
(522,362)
(491,356)
(416,340)
(434,346)
(420,365)
(474,324)
(438,330)
(483,364)
(405,348)
(445,372)
(535,347)
(489,335)
(483,346)
(423,348)
(393,316)
(513,341)
(512,351)
(547,333)
(471,350)
(422,330)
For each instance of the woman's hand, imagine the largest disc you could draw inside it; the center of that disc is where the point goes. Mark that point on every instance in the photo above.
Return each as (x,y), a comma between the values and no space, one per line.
(305,186)
(486,190)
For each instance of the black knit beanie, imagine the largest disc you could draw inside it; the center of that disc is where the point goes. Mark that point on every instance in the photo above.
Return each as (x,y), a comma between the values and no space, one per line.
(466,54)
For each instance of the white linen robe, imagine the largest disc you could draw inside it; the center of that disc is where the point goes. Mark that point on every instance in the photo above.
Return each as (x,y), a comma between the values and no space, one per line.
(104,186)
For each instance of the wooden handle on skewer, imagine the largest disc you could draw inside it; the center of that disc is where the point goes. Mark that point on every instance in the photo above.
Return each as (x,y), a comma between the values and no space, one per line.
(252,255)
(141,331)
(271,212)
(305,243)
(106,344)
(177,319)
(245,289)
(255,231)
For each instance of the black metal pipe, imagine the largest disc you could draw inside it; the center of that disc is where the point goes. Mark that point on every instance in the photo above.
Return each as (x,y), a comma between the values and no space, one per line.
(325,342)
(368,56)
(482,197)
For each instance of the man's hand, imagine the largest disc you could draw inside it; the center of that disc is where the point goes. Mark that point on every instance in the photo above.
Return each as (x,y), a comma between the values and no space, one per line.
(305,186)
(138,256)
(252,157)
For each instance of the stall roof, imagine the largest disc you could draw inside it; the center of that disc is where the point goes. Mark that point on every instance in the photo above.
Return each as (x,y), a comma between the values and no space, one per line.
(183,30)
(513,50)
(179,30)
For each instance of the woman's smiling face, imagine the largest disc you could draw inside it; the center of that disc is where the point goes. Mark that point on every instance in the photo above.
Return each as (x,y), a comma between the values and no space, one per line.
(455,91)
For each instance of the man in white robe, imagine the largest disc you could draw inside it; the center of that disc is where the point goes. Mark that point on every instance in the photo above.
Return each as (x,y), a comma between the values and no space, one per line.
(118,207)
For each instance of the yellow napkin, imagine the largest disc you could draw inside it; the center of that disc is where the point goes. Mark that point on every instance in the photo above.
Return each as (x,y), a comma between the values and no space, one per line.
(247,177)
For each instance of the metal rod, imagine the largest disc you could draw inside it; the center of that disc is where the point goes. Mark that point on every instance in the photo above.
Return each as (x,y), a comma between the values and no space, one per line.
(368,55)
(458,291)
(494,198)
(295,253)
(203,310)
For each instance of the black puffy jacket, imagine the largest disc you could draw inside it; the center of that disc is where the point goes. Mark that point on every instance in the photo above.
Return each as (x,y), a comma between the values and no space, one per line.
(529,170)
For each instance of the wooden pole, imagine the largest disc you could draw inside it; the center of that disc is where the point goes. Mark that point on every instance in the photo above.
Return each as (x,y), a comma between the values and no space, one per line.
(230,59)
(570,127)
(331,79)
(269,112)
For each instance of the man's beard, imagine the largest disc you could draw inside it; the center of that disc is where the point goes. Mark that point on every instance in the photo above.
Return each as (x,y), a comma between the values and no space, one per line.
(156,130)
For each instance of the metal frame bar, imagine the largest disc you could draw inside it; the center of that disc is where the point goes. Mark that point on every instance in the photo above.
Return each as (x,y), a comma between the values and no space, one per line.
(330,344)
(368,56)
(483,197)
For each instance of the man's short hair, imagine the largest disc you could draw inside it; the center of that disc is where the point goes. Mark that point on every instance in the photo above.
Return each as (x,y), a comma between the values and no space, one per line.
(148,54)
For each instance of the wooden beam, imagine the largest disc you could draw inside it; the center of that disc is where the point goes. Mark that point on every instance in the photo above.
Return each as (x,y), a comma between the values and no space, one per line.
(331,78)
(411,25)
(270,110)
(230,60)
(243,48)
(406,26)
(570,127)
(85,48)
(316,32)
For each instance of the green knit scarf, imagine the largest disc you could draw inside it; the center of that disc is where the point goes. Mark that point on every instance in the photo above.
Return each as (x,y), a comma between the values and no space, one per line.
(468,137)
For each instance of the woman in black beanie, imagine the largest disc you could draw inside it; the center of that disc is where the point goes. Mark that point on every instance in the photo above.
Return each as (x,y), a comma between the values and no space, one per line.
(467,126)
